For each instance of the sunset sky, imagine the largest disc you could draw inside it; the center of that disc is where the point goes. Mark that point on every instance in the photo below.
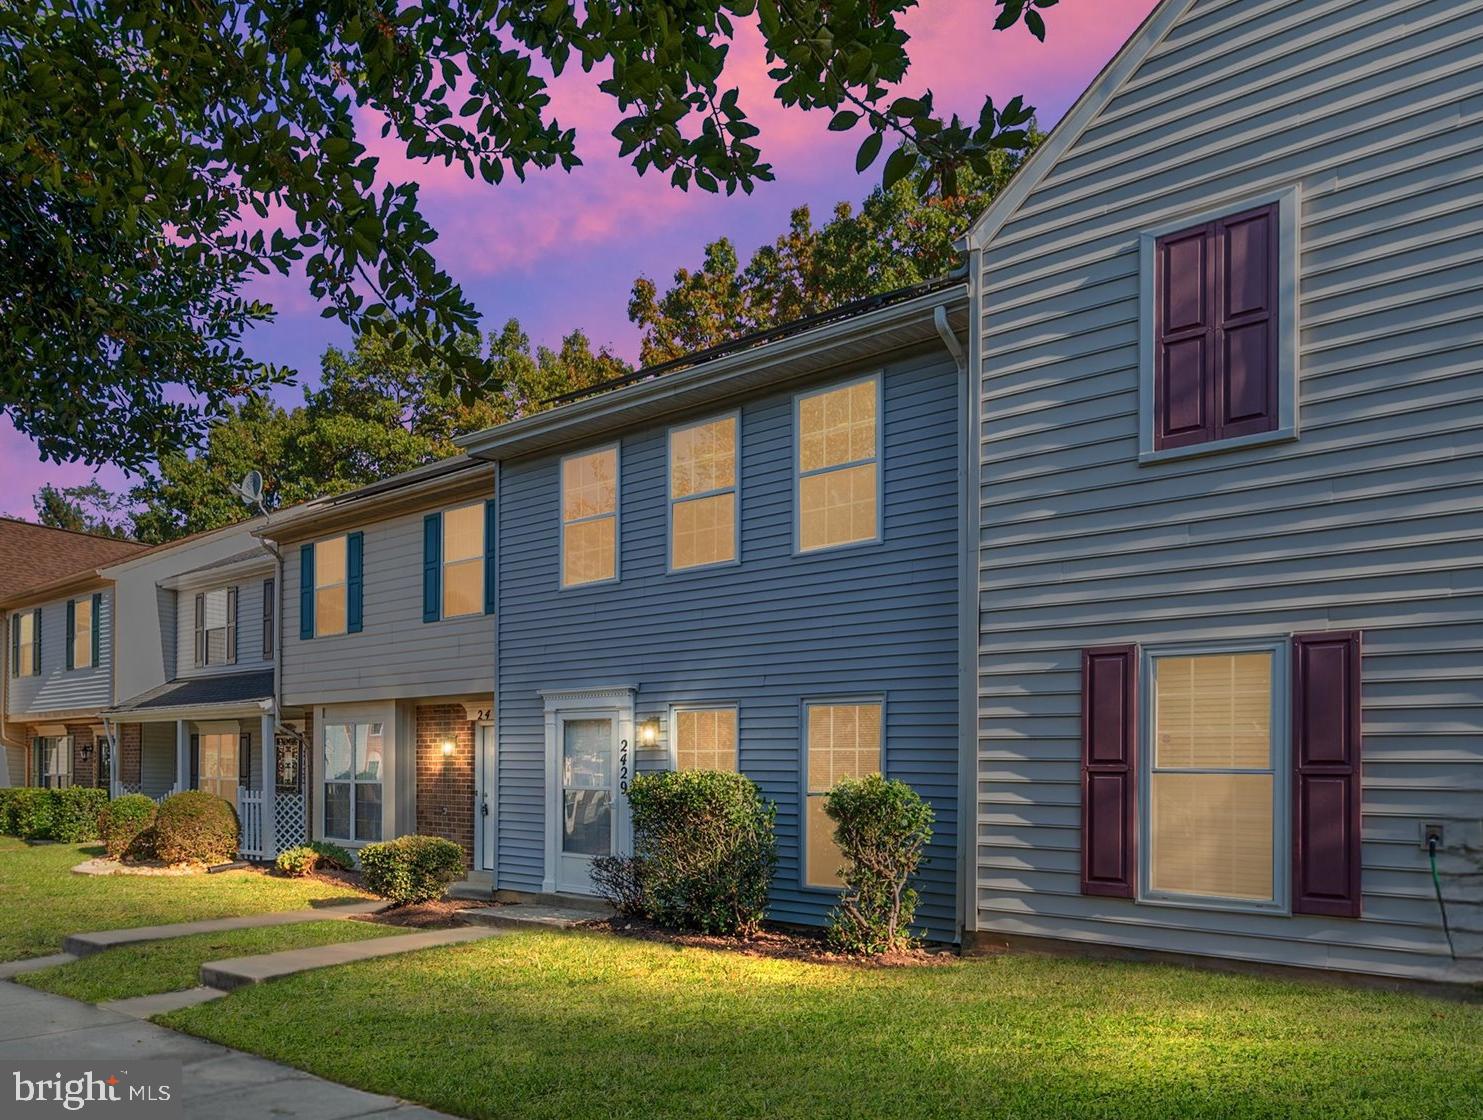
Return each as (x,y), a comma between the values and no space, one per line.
(561,251)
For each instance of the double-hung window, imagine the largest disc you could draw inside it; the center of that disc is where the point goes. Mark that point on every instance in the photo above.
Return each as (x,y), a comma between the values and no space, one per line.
(702,493)
(589,517)
(330,587)
(354,770)
(839,478)
(842,739)
(1215,747)
(82,611)
(705,738)
(463,560)
(216,626)
(54,762)
(25,644)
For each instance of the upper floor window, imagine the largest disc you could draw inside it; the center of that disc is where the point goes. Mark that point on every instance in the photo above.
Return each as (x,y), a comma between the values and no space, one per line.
(1219,355)
(839,465)
(216,626)
(589,517)
(705,738)
(82,632)
(463,560)
(330,587)
(1211,827)
(25,643)
(702,493)
(841,740)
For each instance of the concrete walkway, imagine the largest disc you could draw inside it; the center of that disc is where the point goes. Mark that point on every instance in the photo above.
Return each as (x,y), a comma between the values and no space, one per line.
(218,1083)
(238,971)
(85,944)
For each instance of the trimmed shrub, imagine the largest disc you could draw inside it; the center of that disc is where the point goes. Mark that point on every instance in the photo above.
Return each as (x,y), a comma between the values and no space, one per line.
(7,811)
(411,868)
(296,862)
(122,820)
(33,811)
(75,816)
(881,828)
(620,880)
(708,847)
(195,827)
(331,855)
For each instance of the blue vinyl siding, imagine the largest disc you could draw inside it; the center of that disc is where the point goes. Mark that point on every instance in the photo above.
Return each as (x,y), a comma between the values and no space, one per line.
(875,620)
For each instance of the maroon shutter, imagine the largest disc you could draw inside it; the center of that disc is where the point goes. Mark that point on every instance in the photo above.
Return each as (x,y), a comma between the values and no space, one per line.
(1109,679)
(1246,323)
(1326,743)
(1184,361)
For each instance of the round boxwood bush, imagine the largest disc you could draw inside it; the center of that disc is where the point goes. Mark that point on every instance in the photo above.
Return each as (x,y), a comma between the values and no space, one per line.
(122,820)
(195,827)
(412,868)
(707,848)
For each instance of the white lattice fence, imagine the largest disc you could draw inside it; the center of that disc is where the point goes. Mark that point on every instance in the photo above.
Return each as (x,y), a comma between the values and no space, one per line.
(291,820)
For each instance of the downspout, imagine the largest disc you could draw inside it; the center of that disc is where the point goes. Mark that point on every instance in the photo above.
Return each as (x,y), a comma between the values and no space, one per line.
(968,621)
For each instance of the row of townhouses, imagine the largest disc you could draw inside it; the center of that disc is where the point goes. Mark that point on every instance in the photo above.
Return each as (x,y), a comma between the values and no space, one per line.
(1146,548)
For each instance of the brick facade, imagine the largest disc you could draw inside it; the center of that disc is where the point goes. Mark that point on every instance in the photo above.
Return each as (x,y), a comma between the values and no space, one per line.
(445,785)
(84,754)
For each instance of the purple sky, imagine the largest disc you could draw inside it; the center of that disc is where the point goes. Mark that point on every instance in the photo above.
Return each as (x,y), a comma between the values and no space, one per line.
(561,251)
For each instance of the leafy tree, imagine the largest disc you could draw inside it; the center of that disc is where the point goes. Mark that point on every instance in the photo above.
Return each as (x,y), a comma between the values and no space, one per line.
(896,238)
(377,412)
(88,508)
(137,135)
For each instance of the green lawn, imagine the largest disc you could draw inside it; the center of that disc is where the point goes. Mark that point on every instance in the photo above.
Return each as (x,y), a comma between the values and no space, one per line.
(41,901)
(581,1025)
(175,964)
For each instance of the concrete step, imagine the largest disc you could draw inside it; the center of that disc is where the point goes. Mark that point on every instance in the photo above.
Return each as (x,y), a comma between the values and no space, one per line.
(85,944)
(239,971)
(145,1007)
(532,915)
(470,890)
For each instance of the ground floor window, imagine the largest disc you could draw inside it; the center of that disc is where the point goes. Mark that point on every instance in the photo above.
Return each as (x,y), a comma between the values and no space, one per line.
(705,739)
(219,762)
(841,740)
(354,769)
(54,762)
(1215,733)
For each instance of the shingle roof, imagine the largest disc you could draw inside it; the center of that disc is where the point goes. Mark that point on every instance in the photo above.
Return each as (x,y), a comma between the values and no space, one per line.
(32,555)
(236,688)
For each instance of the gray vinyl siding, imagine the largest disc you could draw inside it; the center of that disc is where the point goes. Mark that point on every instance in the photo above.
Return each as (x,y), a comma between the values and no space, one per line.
(157,758)
(1371,520)
(765,635)
(57,688)
(249,630)
(396,654)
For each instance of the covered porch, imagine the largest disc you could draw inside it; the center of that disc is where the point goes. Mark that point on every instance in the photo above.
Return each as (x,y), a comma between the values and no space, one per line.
(222,735)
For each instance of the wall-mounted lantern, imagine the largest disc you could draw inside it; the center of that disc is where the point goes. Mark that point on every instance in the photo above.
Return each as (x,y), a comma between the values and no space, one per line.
(648,735)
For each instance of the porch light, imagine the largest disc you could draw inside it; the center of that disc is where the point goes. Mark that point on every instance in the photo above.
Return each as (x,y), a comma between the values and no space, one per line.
(447,748)
(649,733)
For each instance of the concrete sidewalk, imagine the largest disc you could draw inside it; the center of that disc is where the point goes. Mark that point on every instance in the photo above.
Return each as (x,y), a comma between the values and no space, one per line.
(219,1083)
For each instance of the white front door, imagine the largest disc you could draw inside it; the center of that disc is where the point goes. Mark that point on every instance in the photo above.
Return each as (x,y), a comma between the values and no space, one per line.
(584,798)
(484,828)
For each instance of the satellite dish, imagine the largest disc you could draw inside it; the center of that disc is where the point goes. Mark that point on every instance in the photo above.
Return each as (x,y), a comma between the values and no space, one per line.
(251,488)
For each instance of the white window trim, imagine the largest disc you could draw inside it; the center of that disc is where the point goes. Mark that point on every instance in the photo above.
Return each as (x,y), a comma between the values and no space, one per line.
(672,501)
(1281,903)
(1289,247)
(674,727)
(878,698)
(477,559)
(561,522)
(344,582)
(878,459)
(387,719)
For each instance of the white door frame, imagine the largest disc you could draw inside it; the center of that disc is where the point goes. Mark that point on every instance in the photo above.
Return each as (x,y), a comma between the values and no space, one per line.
(614,703)
(486,765)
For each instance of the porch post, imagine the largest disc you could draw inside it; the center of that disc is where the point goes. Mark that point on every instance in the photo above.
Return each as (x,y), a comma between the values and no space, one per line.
(182,754)
(270,788)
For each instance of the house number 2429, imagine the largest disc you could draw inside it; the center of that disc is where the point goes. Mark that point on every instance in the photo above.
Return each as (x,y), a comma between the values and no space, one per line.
(622,765)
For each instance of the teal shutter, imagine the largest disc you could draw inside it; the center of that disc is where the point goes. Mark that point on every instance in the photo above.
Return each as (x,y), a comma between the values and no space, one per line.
(489,563)
(97,626)
(36,643)
(306,592)
(355,547)
(432,562)
(71,633)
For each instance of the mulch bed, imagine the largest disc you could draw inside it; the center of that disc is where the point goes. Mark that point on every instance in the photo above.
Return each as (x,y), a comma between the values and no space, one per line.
(423,915)
(773,942)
